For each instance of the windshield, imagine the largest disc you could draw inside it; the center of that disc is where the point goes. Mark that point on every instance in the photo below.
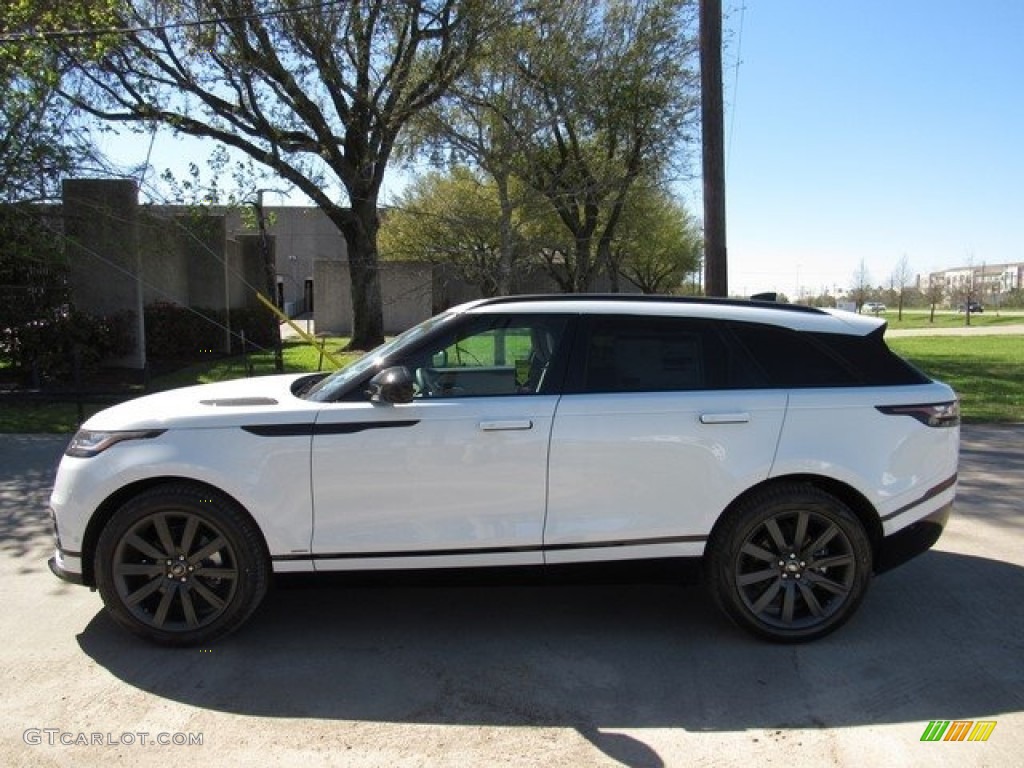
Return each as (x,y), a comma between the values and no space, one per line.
(329,388)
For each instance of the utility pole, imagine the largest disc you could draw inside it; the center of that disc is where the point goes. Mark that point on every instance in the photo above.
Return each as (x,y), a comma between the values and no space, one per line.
(716,273)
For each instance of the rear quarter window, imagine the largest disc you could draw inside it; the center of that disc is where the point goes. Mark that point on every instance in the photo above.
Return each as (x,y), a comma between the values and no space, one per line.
(793,359)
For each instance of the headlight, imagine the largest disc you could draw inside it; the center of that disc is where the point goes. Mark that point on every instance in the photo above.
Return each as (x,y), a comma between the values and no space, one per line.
(88,443)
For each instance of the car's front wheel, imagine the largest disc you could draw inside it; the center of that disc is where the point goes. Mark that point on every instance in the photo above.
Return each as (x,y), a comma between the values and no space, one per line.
(180,565)
(790,563)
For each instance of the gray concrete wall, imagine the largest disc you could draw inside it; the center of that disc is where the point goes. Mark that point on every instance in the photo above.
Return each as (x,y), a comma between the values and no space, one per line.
(202,240)
(250,270)
(302,237)
(407,289)
(408,295)
(332,297)
(101,224)
(164,265)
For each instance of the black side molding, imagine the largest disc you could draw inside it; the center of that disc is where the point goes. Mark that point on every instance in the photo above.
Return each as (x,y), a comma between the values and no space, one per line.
(305,430)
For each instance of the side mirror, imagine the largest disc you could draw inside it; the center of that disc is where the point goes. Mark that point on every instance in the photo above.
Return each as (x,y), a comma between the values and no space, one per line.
(392,386)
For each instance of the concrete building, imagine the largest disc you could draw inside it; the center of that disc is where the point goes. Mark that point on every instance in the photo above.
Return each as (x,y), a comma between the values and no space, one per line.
(126,256)
(986,283)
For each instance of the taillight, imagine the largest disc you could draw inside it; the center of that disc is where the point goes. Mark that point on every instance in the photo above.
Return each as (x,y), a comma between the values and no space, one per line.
(929,414)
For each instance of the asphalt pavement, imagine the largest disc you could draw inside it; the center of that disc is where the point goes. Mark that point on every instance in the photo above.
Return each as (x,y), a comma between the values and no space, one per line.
(525,675)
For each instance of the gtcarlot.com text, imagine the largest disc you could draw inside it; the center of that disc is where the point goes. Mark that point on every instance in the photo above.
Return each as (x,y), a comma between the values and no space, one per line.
(53,737)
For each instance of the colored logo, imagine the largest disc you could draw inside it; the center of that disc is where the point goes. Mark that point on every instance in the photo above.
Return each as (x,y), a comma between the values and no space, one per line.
(958,730)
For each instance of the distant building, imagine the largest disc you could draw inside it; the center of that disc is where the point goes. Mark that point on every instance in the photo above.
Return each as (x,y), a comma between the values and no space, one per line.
(984,282)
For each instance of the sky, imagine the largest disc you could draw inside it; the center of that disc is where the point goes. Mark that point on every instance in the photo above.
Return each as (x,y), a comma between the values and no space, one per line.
(869,130)
(856,130)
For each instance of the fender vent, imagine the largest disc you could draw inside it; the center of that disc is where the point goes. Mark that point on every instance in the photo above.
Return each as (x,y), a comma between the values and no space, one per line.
(240,402)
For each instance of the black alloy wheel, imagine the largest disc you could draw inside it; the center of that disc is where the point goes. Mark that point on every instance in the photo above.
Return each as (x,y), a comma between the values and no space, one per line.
(791,564)
(181,565)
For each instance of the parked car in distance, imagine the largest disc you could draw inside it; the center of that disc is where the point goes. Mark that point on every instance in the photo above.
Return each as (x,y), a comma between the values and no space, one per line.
(875,307)
(785,449)
(973,307)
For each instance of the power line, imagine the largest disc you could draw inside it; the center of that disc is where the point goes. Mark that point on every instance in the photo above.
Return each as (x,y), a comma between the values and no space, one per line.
(735,83)
(35,36)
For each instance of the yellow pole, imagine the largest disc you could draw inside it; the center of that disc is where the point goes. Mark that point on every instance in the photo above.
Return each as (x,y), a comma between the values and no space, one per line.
(305,336)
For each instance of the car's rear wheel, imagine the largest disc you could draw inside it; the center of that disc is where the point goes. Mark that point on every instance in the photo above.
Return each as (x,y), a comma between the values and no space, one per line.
(180,565)
(790,563)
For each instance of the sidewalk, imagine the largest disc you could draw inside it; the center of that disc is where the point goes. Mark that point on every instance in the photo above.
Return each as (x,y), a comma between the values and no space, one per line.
(305,322)
(966,330)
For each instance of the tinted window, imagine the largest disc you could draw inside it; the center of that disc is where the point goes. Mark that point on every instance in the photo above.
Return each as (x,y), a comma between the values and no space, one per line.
(661,354)
(876,364)
(790,359)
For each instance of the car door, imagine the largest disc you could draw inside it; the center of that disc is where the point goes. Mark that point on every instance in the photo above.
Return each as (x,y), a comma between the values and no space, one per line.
(661,426)
(457,477)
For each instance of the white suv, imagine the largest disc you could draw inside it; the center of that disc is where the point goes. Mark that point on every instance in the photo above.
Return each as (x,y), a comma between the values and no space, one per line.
(785,447)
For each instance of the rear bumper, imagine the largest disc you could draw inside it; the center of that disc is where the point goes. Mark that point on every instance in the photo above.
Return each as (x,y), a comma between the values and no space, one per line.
(913,540)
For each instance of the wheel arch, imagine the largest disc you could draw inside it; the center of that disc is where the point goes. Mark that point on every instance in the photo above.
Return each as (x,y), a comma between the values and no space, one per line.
(122,496)
(850,496)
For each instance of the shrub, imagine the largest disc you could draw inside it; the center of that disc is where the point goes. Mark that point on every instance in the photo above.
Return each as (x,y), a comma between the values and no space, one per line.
(174,332)
(44,350)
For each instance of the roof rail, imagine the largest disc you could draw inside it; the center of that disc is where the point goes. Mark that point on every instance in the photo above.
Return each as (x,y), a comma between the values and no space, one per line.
(651,299)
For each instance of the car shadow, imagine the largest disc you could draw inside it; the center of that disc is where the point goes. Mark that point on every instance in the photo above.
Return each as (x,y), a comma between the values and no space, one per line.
(27,466)
(940,637)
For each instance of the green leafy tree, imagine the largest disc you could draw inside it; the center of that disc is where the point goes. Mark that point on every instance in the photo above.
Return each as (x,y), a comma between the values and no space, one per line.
(33,275)
(41,137)
(658,242)
(451,220)
(317,92)
(608,92)
(578,100)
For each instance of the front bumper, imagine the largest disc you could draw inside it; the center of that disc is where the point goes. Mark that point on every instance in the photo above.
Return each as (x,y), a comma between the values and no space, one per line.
(913,540)
(66,567)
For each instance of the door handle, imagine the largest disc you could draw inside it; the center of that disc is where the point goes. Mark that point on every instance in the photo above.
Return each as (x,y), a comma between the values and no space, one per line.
(724,418)
(511,424)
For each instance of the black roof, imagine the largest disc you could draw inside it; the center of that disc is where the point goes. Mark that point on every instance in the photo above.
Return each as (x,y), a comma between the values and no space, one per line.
(652,299)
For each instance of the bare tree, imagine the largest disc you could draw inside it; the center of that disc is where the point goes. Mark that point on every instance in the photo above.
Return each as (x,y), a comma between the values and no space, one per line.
(861,285)
(935,293)
(319,92)
(902,275)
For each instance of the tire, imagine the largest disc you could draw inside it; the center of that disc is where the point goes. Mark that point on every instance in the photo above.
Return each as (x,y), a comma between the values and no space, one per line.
(783,583)
(181,565)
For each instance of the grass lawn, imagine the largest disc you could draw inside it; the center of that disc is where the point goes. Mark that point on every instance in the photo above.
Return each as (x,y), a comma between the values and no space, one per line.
(299,357)
(986,371)
(918,318)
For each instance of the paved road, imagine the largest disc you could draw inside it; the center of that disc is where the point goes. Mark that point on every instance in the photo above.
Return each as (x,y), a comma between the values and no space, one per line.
(525,675)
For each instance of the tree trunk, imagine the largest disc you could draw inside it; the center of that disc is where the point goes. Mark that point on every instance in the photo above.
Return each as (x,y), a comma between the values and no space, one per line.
(359,226)
(270,273)
(581,267)
(611,264)
(503,280)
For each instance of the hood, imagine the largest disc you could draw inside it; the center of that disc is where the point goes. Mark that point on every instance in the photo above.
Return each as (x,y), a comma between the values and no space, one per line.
(261,400)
